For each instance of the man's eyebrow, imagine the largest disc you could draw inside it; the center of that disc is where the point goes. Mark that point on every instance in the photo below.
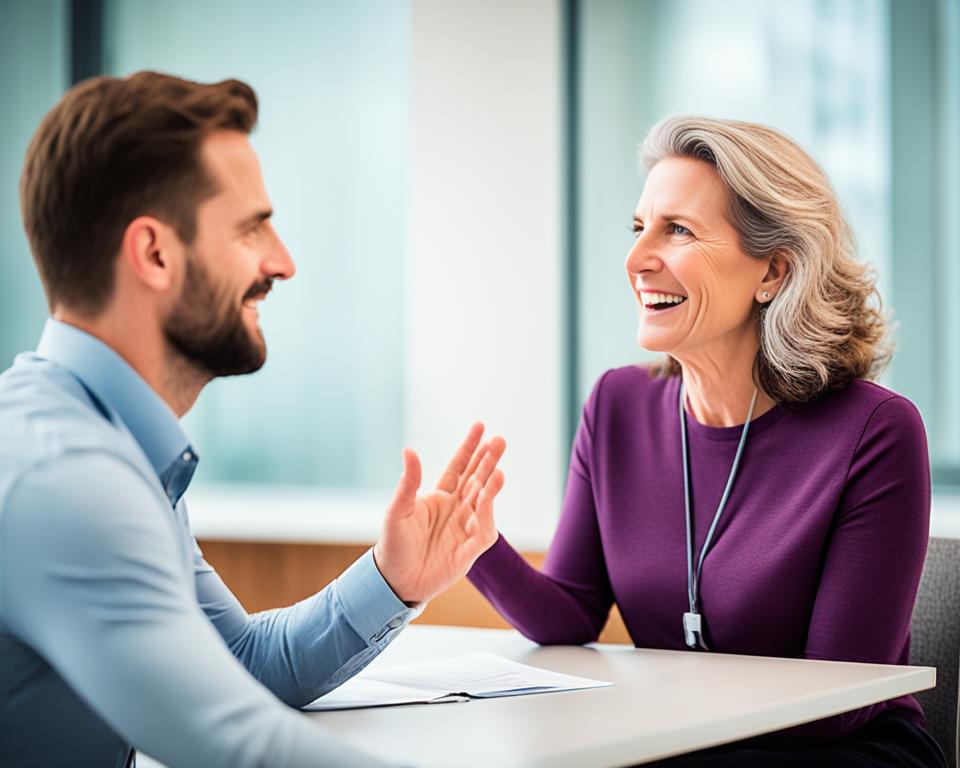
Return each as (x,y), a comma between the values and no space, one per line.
(254,218)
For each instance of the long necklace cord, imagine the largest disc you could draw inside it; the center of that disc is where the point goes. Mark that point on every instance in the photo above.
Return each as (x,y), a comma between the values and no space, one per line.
(692,624)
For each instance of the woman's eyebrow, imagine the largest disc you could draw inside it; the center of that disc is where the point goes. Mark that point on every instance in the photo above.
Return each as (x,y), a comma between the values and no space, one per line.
(679,215)
(672,217)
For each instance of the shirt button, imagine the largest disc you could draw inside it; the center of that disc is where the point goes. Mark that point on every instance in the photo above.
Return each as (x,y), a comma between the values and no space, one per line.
(187,455)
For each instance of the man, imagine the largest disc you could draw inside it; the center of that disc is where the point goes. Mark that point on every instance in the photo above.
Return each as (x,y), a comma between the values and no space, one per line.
(150,227)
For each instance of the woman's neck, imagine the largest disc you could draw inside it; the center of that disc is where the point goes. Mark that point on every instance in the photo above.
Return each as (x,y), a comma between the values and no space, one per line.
(719,385)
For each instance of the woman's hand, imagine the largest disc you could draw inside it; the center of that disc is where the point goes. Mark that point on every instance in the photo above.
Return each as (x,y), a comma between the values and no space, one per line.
(429,542)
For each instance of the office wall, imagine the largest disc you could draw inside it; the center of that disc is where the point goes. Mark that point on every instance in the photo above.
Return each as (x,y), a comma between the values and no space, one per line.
(484,281)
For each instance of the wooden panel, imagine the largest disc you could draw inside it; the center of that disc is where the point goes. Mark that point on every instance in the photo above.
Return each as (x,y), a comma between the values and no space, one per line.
(266,575)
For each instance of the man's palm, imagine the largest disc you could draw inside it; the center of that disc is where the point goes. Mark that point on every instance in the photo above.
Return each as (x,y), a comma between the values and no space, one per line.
(428,542)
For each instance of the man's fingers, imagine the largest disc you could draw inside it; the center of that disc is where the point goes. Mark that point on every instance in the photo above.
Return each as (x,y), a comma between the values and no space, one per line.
(495,449)
(479,526)
(472,466)
(478,504)
(411,467)
(485,478)
(483,500)
(487,464)
(450,479)
(483,462)
(476,481)
(470,492)
(407,486)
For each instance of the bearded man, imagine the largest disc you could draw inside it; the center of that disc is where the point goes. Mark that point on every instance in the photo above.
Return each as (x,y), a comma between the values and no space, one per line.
(150,227)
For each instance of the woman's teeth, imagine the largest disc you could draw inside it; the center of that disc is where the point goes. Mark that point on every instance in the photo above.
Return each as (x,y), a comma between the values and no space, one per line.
(655,299)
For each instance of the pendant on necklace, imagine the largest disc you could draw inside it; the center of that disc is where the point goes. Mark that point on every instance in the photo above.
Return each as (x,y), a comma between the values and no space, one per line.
(692,628)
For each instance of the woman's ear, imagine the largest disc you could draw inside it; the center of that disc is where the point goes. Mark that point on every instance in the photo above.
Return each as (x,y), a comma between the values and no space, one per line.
(777,269)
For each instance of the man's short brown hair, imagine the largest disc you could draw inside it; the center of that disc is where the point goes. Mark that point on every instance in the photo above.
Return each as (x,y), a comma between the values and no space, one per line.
(113,149)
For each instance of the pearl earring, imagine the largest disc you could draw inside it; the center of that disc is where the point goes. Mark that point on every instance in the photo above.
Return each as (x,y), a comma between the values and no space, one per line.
(766,295)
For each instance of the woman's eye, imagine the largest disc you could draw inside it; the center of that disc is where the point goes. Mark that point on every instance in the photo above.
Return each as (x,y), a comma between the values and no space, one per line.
(678,229)
(636,228)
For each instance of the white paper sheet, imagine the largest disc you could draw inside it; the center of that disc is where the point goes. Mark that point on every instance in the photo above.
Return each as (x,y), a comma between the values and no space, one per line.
(479,675)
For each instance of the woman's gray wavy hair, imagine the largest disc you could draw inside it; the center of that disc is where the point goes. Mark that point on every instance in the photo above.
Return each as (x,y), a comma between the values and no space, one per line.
(825,327)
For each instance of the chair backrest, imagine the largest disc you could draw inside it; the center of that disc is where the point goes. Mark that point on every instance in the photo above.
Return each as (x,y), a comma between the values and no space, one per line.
(935,639)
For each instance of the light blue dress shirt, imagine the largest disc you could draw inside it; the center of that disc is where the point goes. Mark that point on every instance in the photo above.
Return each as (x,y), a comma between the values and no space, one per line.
(114,631)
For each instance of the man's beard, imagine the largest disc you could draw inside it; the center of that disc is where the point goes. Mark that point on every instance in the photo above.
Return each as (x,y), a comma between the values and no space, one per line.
(206,328)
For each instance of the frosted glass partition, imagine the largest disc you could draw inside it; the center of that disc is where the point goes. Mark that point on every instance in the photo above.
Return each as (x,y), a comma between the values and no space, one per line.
(816,70)
(412,152)
(948,195)
(327,409)
(33,36)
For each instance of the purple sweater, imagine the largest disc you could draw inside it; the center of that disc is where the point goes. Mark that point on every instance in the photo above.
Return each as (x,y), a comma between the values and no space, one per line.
(817,555)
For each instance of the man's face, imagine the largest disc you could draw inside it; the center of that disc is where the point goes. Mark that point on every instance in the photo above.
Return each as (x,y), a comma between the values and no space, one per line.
(230,266)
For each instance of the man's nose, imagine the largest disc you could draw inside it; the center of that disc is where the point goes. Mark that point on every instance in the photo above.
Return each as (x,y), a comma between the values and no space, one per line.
(277,262)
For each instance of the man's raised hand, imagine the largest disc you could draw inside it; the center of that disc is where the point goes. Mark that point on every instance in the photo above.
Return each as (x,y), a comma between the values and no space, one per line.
(429,542)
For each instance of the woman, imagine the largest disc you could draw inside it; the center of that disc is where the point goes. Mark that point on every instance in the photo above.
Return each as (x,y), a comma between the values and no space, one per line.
(755,493)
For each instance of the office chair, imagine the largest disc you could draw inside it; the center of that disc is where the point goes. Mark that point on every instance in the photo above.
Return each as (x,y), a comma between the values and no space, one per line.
(935,640)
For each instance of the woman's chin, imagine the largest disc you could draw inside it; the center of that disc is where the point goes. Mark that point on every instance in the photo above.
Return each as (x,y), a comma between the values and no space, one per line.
(652,342)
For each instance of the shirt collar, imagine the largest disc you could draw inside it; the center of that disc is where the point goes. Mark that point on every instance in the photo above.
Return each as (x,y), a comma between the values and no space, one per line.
(110,378)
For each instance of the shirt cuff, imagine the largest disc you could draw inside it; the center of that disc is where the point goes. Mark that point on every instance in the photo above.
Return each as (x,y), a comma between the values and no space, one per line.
(370,605)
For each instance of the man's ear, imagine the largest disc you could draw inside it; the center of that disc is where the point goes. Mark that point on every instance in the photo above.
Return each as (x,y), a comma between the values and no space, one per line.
(152,251)
(777,270)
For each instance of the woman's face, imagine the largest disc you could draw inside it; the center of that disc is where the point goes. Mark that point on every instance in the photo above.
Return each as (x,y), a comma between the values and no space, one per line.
(695,287)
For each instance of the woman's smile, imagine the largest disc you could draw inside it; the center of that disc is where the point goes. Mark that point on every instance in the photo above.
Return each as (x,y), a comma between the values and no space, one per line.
(659,301)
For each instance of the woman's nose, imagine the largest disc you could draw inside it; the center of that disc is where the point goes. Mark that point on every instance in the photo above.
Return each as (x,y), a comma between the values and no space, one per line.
(642,256)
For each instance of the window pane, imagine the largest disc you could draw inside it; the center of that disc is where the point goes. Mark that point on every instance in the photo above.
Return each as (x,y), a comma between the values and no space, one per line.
(871,88)
(816,70)
(332,139)
(947,448)
(32,53)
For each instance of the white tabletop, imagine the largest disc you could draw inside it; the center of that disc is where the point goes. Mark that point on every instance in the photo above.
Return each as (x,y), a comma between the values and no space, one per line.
(663,703)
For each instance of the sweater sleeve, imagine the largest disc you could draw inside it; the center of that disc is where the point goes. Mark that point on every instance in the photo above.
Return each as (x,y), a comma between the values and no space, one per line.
(569,601)
(873,559)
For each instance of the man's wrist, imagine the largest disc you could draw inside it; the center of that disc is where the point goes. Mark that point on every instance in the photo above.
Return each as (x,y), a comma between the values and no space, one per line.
(369,604)
(377,561)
